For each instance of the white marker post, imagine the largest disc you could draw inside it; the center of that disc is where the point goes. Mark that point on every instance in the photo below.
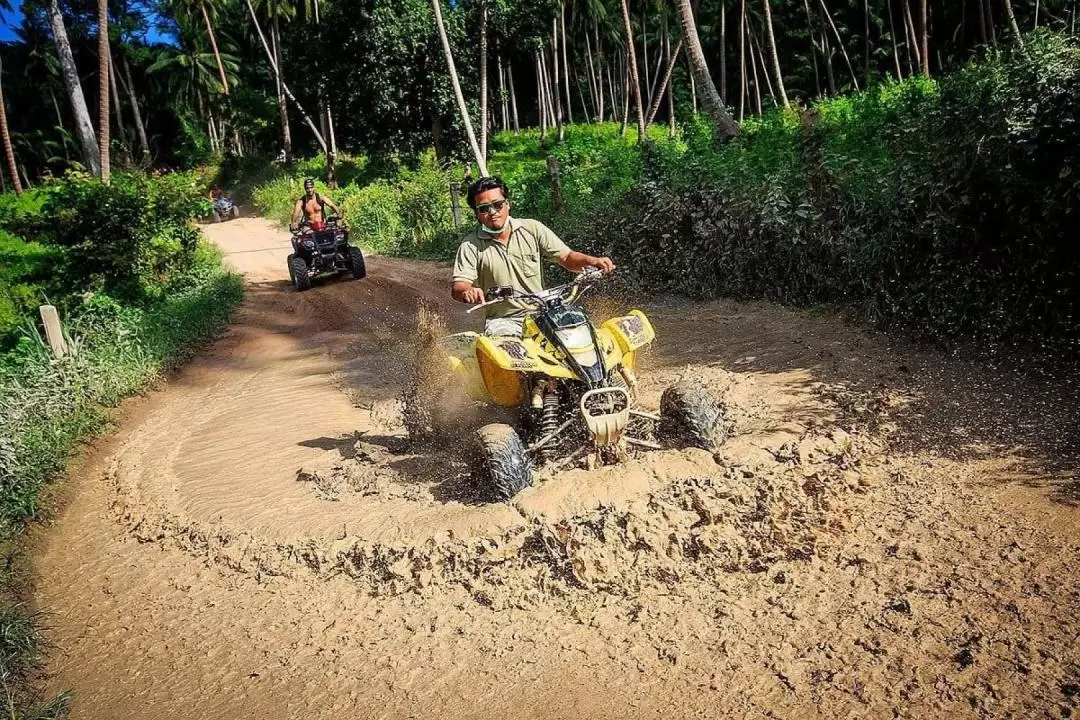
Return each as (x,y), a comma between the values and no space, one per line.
(53,332)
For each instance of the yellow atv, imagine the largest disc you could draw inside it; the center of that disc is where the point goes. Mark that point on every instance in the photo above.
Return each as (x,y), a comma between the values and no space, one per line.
(573,387)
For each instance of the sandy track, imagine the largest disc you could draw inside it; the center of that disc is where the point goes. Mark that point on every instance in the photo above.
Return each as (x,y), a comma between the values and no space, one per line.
(886,534)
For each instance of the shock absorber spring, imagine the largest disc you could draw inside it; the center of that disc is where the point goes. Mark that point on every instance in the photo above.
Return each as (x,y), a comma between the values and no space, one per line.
(549,420)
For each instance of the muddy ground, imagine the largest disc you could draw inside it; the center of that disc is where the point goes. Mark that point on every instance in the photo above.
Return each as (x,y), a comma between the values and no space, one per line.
(887,533)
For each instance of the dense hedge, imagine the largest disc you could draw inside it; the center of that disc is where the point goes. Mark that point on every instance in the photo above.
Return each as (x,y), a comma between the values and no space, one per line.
(947,208)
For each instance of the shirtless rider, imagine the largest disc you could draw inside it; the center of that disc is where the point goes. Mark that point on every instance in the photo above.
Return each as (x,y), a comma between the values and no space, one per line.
(311,205)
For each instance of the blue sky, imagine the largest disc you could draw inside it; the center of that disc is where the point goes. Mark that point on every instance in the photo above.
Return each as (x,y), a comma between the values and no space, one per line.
(13,19)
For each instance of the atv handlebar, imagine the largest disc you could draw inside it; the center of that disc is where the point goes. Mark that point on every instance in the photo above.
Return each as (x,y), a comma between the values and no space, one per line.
(588,275)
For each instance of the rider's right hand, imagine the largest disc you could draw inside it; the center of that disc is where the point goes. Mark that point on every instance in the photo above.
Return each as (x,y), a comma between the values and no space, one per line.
(473,296)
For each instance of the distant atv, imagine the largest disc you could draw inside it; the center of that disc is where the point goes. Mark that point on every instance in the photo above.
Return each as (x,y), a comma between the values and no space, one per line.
(322,247)
(225,208)
(573,386)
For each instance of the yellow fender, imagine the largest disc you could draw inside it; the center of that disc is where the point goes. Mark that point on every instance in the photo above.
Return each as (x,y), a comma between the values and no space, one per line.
(631,331)
(461,357)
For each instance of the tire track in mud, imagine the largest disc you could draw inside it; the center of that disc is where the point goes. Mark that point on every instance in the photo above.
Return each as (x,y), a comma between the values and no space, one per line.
(810,569)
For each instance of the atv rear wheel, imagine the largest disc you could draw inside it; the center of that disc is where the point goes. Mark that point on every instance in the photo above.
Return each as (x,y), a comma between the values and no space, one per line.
(691,416)
(356,262)
(500,467)
(298,272)
(217,216)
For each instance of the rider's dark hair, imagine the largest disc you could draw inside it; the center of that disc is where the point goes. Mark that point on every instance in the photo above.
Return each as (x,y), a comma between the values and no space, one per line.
(483,185)
(309,181)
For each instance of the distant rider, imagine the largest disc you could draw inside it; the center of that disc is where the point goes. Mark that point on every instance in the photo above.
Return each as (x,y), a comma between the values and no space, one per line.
(505,251)
(311,205)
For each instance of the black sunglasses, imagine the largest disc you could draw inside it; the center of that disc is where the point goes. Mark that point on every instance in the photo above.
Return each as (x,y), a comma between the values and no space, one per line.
(494,206)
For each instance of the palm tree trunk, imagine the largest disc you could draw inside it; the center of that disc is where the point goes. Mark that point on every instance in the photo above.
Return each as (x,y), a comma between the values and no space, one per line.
(144,145)
(1012,22)
(654,88)
(9,151)
(565,63)
(866,39)
(540,99)
(283,108)
(503,111)
(635,86)
(555,74)
(458,95)
(214,46)
(644,51)
(723,53)
(117,110)
(513,96)
(673,58)
(895,50)
(600,64)
(775,57)
(594,91)
(627,84)
(742,59)
(103,89)
(813,47)
(753,69)
(912,36)
(755,44)
(924,38)
(83,129)
(714,106)
(483,79)
(840,42)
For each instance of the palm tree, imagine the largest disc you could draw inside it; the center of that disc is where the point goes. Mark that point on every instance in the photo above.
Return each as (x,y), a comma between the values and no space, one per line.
(103,88)
(635,87)
(458,95)
(714,106)
(774,56)
(9,152)
(83,128)
(207,10)
(192,75)
(276,68)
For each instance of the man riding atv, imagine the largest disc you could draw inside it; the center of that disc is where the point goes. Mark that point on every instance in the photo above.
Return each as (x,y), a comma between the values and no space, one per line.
(311,205)
(505,252)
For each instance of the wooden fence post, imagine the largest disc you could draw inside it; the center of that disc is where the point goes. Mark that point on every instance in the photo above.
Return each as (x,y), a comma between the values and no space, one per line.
(455,203)
(51,319)
(558,200)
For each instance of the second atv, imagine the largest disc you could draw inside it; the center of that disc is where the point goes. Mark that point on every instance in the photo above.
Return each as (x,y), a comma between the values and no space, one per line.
(571,386)
(321,247)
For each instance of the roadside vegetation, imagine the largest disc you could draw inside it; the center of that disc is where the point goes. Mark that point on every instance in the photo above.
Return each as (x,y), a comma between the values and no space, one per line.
(139,290)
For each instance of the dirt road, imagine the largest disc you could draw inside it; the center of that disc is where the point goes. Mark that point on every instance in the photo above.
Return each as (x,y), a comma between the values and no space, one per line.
(887,533)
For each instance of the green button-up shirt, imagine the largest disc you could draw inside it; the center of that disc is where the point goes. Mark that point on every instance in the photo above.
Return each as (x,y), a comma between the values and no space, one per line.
(487,263)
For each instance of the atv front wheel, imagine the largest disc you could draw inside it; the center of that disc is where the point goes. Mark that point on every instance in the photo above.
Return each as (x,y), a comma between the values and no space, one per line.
(356,262)
(499,463)
(691,416)
(298,272)
(217,216)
